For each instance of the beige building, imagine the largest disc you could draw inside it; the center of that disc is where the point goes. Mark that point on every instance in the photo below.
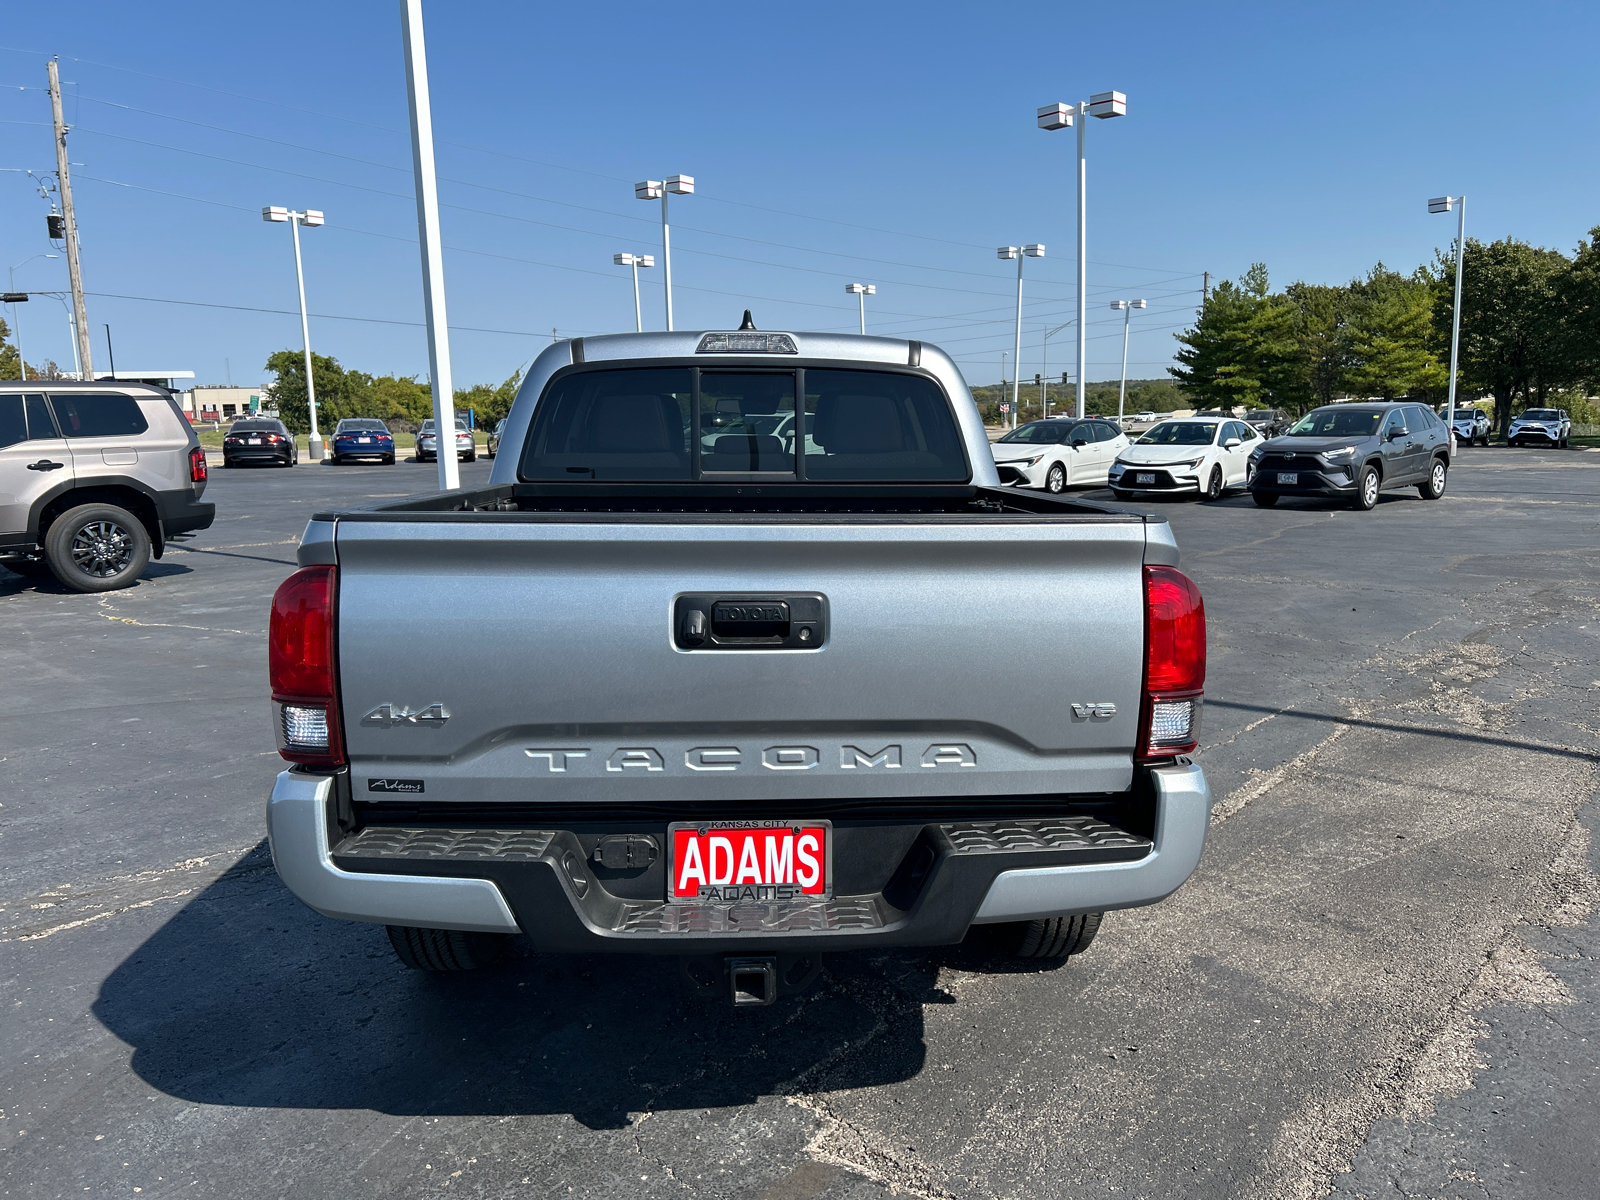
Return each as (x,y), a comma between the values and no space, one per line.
(218,403)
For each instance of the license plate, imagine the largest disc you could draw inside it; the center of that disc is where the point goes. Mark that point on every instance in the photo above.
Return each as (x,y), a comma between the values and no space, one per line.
(1289,477)
(1144,478)
(254,441)
(363,441)
(730,862)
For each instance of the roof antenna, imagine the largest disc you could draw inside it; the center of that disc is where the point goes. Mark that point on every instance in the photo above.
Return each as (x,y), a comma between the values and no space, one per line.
(748,323)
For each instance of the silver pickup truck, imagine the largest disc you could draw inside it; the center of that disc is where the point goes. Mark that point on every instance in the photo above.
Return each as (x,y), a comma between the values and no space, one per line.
(764,663)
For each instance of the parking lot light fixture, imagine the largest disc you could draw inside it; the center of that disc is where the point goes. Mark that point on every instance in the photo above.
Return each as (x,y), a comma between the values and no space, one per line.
(1063,116)
(635,261)
(311,218)
(658,189)
(1126,307)
(1032,250)
(861,291)
(1443,204)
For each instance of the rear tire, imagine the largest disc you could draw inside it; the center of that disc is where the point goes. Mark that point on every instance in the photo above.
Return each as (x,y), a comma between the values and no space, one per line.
(445,949)
(1050,937)
(97,548)
(1055,480)
(388,460)
(1265,499)
(1368,485)
(1214,484)
(1438,478)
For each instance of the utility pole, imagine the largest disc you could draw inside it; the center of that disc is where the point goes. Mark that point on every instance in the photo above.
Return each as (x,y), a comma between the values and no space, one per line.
(80,315)
(1205,288)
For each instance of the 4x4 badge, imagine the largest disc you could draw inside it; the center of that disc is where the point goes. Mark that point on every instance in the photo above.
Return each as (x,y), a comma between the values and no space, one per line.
(388,716)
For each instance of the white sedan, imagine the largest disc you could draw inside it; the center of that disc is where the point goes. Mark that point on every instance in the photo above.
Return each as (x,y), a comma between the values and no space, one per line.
(1200,456)
(1058,453)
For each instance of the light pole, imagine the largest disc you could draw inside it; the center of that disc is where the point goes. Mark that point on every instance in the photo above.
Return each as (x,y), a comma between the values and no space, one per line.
(1443,204)
(16,318)
(1033,250)
(652,189)
(1060,116)
(1126,307)
(310,218)
(861,291)
(635,261)
(1044,357)
(1002,378)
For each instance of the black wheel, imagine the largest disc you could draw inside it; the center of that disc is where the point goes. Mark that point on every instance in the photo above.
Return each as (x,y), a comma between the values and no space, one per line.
(473,457)
(388,460)
(445,949)
(29,568)
(1438,475)
(1214,484)
(1264,499)
(228,462)
(1055,480)
(1049,937)
(97,548)
(1367,487)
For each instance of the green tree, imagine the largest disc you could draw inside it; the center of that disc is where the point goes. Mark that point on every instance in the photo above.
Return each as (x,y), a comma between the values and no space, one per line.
(1320,334)
(10,361)
(289,390)
(1577,295)
(1241,350)
(489,402)
(1512,341)
(1389,335)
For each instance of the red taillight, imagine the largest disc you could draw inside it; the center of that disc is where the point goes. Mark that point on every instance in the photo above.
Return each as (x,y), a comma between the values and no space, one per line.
(1174,664)
(300,662)
(197,464)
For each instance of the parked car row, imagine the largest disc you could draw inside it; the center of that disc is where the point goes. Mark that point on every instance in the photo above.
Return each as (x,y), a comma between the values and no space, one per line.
(1348,451)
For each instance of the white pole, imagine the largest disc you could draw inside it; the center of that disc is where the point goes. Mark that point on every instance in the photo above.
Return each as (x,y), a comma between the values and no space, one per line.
(1083,261)
(444,405)
(1044,374)
(1016,382)
(1122,392)
(666,255)
(638,313)
(16,325)
(72,329)
(314,443)
(1455,327)
(862,296)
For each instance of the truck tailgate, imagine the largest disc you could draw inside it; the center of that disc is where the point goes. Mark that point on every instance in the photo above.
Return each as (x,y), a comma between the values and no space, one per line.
(955,653)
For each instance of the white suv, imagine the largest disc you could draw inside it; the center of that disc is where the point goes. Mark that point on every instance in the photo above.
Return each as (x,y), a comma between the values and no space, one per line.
(94,477)
(1539,427)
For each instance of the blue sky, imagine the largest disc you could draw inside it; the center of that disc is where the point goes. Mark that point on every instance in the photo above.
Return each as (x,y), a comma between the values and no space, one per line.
(888,143)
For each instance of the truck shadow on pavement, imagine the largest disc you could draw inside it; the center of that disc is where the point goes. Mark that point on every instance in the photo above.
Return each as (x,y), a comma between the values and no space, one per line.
(246,997)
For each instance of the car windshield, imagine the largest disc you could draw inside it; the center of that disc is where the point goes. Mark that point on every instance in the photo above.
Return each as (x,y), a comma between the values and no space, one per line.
(1338,422)
(1041,433)
(360,426)
(1181,433)
(1540,414)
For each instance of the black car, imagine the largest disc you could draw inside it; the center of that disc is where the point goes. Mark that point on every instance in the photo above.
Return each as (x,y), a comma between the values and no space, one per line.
(1354,451)
(259,440)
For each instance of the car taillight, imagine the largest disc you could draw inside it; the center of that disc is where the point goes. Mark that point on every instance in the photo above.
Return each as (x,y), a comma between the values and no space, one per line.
(197,464)
(1174,664)
(300,649)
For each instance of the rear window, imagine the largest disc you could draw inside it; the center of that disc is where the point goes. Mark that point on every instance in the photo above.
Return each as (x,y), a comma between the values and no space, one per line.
(255,427)
(13,428)
(675,424)
(103,414)
(362,426)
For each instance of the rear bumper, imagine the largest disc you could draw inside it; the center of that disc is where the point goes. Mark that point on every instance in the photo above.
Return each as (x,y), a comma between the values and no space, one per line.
(943,878)
(183,512)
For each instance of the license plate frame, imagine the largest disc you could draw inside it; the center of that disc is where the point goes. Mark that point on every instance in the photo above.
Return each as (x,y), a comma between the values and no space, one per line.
(1288,478)
(252,441)
(721,895)
(1145,477)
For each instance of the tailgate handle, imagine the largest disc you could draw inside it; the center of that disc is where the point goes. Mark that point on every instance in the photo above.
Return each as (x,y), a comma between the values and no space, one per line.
(795,621)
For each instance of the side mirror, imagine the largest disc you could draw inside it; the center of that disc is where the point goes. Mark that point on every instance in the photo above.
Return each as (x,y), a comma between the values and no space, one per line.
(1395,434)
(1232,444)
(1079,443)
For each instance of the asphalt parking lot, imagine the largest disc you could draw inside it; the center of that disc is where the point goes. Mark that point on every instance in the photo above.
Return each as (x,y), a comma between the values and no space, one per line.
(1382,981)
